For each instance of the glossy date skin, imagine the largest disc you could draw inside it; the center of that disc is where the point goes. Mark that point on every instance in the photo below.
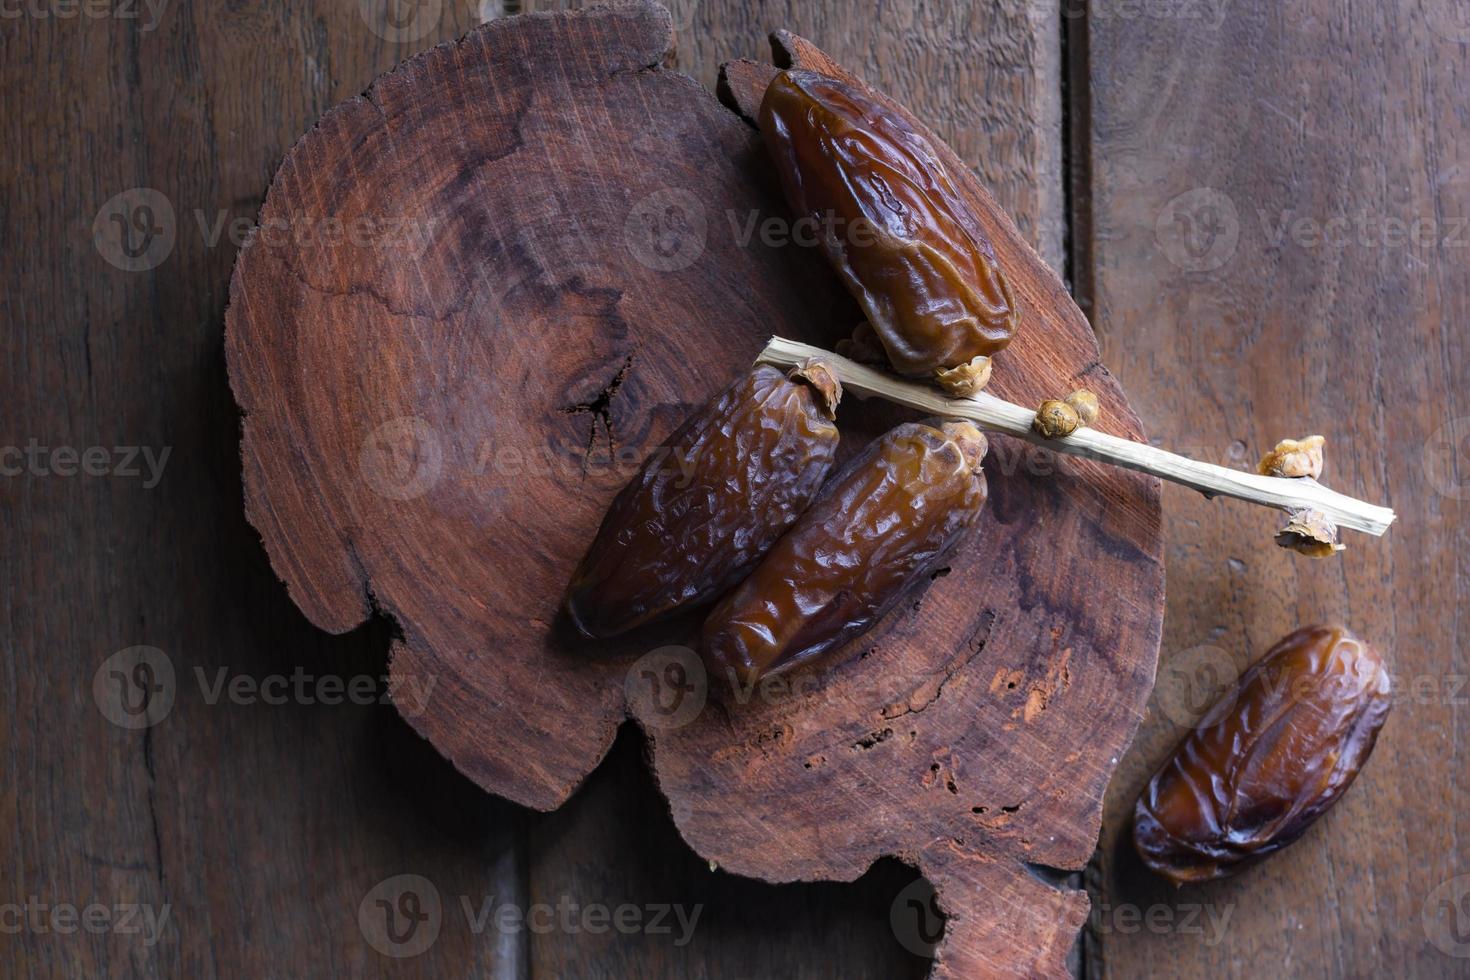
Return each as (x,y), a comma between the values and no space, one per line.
(905,243)
(699,515)
(1269,759)
(884,523)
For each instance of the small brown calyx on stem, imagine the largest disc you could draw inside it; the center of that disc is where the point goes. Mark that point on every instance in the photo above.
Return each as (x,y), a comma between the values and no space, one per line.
(1085,404)
(1310,533)
(822,377)
(1307,532)
(1294,458)
(1059,419)
(965,380)
(971,441)
(863,346)
(1056,420)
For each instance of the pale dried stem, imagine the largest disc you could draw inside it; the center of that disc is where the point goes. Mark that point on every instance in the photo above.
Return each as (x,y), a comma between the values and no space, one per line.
(996,415)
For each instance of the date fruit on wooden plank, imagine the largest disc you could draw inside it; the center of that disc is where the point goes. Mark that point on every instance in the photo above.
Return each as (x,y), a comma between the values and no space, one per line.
(544,264)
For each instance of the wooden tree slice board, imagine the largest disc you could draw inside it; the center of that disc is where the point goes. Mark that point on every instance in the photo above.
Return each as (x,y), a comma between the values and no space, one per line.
(547,250)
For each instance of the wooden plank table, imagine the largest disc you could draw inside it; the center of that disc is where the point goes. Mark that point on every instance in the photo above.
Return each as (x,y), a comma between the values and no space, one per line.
(265,813)
(1277,238)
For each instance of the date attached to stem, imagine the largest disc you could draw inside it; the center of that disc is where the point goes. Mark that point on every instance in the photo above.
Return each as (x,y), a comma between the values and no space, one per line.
(905,243)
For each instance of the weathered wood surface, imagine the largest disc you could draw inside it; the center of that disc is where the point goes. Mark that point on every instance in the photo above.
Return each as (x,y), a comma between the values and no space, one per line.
(259,826)
(262,827)
(985,76)
(1280,207)
(1001,60)
(255,820)
(985,936)
(435,427)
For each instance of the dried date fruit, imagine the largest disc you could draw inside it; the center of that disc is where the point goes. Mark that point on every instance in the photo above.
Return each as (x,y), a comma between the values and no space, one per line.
(1267,760)
(886,521)
(905,243)
(699,515)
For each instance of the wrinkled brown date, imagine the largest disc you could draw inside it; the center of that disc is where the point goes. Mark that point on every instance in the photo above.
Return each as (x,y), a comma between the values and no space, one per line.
(887,520)
(907,246)
(698,516)
(1266,761)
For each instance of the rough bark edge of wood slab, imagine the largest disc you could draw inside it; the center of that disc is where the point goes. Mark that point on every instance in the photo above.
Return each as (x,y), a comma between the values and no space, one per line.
(1014,646)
